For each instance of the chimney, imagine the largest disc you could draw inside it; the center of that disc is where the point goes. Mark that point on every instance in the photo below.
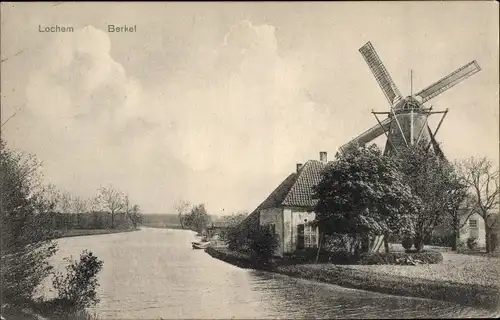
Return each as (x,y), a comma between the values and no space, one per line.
(299,166)
(323,157)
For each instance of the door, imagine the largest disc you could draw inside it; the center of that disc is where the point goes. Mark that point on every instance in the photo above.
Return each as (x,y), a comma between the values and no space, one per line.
(300,236)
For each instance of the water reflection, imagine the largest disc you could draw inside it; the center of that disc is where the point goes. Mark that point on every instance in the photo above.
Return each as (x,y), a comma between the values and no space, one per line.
(154,273)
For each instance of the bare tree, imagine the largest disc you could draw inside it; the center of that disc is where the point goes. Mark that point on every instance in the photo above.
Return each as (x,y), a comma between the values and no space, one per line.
(65,202)
(481,179)
(182,208)
(94,204)
(112,201)
(132,212)
(52,196)
(80,205)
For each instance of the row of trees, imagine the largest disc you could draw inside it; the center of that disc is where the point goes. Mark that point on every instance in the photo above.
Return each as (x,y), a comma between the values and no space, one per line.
(408,195)
(109,208)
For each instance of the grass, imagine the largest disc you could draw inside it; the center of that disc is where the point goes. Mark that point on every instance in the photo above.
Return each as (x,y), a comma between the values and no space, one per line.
(460,268)
(463,279)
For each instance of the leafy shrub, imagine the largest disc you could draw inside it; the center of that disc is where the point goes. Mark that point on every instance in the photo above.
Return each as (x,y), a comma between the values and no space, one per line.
(461,246)
(307,255)
(418,243)
(422,257)
(471,243)
(77,288)
(407,243)
(263,243)
(442,241)
(235,239)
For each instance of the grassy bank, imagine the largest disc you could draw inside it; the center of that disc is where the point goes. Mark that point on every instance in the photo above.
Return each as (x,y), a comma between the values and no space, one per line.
(37,310)
(91,232)
(465,280)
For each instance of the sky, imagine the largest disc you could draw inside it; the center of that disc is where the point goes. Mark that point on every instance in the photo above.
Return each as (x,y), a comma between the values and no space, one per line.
(215,103)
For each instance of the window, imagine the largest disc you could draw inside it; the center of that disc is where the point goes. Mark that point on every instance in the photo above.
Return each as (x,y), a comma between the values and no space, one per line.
(309,237)
(474,230)
(473,223)
(272,228)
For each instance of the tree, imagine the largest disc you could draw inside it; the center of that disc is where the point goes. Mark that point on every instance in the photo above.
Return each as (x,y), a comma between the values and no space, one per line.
(65,202)
(234,219)
(25,226)
(481,180)
(458,215)
(94,204)
(133,213)
(363,194)
(197,219)
(112,201)
(433,179)
(182,208)
(80,205)
(231,233)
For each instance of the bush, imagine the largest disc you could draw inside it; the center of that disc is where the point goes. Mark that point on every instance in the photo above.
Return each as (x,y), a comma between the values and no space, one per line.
(407,243)
(263,244)
(422,257)
(442,241)
(308,255)
(461,246)
(77,288)
(471,243)
(342,257)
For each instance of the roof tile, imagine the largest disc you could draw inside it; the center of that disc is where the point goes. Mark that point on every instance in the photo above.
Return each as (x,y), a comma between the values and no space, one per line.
(300,194)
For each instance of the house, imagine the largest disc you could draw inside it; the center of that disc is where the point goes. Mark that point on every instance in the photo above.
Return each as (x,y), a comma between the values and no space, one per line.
(472,227)
(289,209)
(218,230)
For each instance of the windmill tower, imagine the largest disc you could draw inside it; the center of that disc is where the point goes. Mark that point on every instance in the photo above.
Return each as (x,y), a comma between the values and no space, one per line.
(407,119)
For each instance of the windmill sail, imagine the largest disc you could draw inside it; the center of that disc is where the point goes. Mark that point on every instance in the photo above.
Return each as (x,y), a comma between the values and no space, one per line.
(370,134)
(380,72)
(449,81)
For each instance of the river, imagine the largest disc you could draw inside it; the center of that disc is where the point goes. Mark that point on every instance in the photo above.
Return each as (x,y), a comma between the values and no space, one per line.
(154,273)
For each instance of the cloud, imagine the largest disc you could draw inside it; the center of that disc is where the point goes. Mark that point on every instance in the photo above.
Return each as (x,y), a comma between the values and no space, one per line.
(79,84)
(224,132)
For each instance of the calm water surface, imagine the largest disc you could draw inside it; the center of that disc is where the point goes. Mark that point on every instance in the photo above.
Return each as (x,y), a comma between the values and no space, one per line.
(154,273)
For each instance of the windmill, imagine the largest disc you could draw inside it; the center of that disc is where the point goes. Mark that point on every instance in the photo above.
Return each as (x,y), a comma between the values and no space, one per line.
(407,119)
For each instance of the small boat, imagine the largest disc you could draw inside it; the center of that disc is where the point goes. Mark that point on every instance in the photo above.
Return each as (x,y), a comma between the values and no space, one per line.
(200,245)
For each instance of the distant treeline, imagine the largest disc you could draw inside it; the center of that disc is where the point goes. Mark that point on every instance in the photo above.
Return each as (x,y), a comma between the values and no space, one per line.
(89,220)
(169,220)
(160,220)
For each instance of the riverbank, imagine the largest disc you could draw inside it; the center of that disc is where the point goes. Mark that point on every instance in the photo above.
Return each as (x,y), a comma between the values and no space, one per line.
(33,310)
(91,232)
(465,280)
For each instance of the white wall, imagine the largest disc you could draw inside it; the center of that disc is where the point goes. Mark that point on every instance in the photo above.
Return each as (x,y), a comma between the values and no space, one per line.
(286,222)
(274,215)
(287,231)
(465,231)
